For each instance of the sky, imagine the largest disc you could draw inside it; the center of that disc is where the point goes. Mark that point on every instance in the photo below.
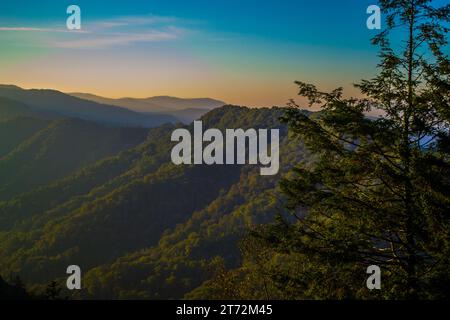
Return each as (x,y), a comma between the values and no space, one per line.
(244,52)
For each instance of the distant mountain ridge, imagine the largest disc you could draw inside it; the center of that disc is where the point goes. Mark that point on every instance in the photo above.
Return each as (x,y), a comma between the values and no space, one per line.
(184,109)
(58,103)
(183,103)
(155,104)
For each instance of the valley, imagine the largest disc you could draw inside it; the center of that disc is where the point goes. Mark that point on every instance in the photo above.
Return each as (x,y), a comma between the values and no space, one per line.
(110,200)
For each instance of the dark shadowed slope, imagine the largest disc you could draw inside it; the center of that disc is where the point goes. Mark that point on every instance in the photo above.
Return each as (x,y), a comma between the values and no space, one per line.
(16,130)
(10,109)
(56,150)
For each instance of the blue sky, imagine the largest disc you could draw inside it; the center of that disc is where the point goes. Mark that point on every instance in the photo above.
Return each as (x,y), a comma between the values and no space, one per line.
(314,22)
(244,52)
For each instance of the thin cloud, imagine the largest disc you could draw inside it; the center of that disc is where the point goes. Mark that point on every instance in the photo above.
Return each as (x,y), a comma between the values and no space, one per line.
(110,32)
(120,22)
(126,30)
(120,39)
(134,21)
(32,29)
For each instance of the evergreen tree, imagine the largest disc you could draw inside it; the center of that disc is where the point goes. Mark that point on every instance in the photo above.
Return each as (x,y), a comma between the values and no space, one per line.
(53,291)
(378,193)
(14,290)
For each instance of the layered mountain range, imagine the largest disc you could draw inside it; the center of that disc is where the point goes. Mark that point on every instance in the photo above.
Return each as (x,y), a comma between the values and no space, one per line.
(149,112)
(106,197)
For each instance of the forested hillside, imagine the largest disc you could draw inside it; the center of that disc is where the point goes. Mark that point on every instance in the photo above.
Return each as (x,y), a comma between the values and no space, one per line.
(137,225)
(49,150)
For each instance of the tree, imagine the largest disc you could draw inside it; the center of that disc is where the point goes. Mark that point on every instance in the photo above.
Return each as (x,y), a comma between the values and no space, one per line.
(378,192)
(14,290)
(53,291)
